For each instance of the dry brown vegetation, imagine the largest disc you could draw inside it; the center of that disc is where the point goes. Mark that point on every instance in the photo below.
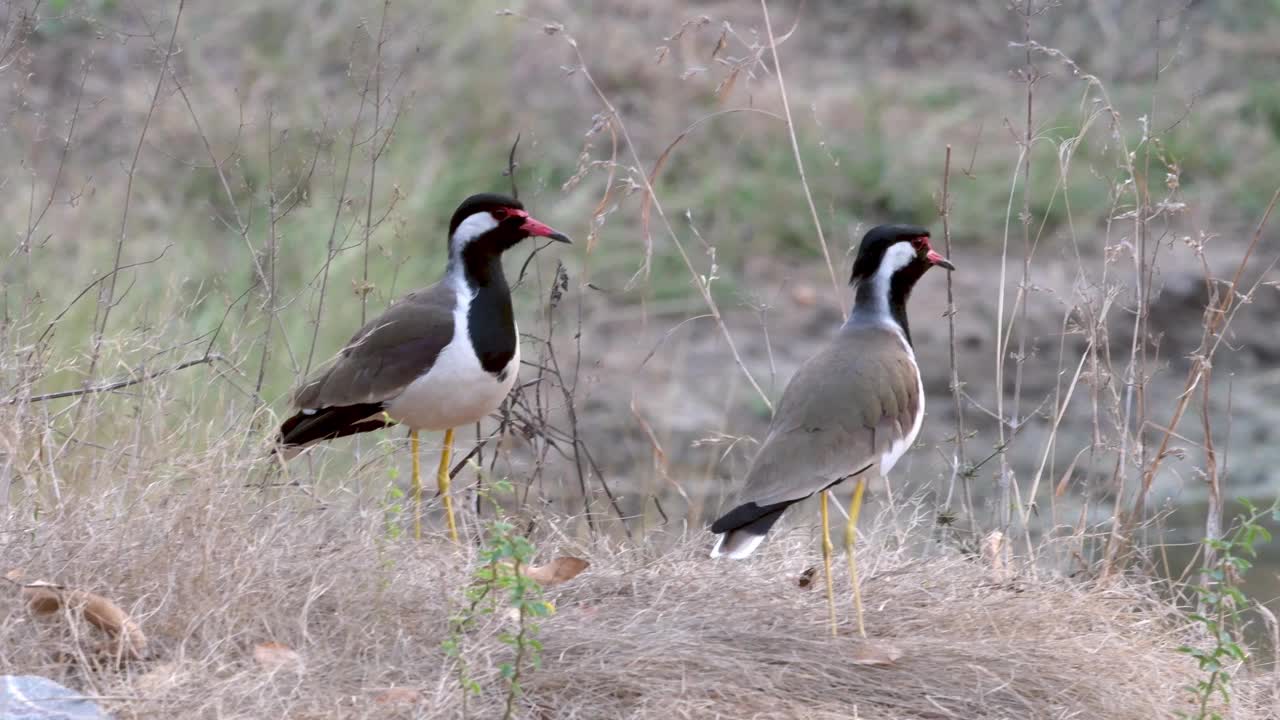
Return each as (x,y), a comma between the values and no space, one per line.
(300,609)
(204,199)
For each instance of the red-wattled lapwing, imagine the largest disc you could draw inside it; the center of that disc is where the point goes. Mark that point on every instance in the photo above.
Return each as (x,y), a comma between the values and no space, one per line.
(850,411)
(443,356)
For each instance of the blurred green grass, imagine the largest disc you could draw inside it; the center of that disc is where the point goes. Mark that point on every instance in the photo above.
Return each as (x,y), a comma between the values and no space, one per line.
(877,94)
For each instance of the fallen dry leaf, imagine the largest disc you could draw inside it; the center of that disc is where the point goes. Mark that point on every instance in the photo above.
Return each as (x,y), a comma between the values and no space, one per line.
(562,569)
(45,599)
(274,656)
(876,654)
(806,577)
(42,599)
(398,696)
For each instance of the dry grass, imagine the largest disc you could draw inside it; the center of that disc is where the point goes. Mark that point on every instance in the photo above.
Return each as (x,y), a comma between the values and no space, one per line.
(645,632)
(284,170)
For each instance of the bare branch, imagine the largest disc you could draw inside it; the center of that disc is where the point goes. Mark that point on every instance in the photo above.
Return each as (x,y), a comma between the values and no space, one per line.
(116,384)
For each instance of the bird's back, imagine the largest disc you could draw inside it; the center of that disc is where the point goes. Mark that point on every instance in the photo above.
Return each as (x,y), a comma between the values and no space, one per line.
(844,409)
(387,353)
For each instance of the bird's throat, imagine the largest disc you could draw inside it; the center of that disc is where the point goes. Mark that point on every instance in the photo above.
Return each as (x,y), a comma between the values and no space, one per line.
(490,318)
(879,302)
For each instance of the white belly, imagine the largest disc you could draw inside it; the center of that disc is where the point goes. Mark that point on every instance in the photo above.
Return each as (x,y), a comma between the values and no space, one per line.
(457,391)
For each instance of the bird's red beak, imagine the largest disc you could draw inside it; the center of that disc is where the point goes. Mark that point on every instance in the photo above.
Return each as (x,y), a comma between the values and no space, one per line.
(533,228)
(935,259)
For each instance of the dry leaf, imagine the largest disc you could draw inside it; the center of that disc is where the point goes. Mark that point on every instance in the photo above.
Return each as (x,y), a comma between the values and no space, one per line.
(398,696)
(272,656)
(725,87)
(42,599)
(45,599)
(1061,489)
(876,654)
(722,43)
(562,569)
(804,295)
(806,577)
(994,551)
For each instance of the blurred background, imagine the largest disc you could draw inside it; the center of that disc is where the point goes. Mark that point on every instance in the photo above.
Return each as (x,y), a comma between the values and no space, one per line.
(263,175)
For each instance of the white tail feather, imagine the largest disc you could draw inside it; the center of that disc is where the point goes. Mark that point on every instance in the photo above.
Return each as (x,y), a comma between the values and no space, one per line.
(736,545)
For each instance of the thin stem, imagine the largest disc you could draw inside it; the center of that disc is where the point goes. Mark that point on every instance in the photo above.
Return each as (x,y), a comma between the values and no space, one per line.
(795,151)
(333,232)
(105,304)
(373,160)
(1025,285)
(958,459)
(270,274)
(651,198)
(114,385)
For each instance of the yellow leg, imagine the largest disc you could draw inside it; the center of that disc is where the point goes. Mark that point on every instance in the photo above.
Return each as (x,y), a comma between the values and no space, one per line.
(826,563)
(850,537)
(417,486)
(442,479)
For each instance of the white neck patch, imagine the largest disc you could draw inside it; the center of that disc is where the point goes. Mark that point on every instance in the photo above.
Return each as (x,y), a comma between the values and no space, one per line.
(898,256)
(473,227)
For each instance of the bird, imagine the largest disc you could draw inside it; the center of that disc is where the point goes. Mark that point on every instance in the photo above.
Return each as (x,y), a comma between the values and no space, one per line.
(850,411)
(440,357)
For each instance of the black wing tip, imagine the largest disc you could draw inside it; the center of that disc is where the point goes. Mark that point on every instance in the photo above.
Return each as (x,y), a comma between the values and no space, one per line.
(751,518)
(743,528)
(330,423)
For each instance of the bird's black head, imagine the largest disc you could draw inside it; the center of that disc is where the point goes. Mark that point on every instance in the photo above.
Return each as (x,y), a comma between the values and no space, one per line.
(898,246)
(486,225)
(494,223)
(890,260)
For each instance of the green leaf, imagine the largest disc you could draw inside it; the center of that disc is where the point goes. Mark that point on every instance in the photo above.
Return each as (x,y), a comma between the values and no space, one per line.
(1239,563)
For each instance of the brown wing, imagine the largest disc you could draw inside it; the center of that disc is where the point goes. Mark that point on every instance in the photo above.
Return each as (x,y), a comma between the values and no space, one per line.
(387,354)
(843,409)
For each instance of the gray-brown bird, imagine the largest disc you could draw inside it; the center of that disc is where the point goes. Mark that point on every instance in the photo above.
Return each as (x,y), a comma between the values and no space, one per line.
(439,358)
(850,411)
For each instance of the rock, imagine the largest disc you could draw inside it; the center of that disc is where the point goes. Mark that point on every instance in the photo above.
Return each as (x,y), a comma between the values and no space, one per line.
(31,697)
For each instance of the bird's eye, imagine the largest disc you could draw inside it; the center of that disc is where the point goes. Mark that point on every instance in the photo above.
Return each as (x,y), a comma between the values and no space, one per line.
(499,214)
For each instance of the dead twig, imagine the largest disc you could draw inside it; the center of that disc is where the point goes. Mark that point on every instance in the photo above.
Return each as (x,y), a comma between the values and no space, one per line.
(117,384)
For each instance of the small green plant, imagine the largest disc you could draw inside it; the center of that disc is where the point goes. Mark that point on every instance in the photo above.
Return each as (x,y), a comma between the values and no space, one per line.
(393,526)
(505,556)
(395,508)
(1220,603)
